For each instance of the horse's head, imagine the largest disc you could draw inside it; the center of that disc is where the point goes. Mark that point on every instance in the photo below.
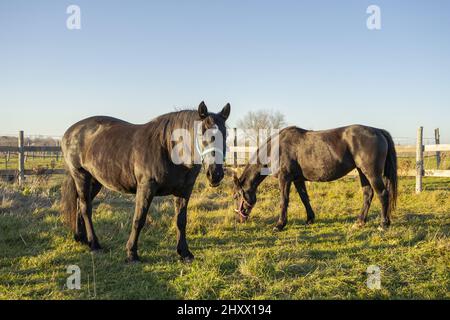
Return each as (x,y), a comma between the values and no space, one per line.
(245,199)
(212,145)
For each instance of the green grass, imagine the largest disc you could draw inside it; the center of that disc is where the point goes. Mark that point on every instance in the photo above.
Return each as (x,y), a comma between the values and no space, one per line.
(327,260)
(31,163)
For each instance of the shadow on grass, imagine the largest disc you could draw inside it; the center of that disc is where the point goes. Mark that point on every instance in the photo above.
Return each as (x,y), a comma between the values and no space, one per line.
(36,251)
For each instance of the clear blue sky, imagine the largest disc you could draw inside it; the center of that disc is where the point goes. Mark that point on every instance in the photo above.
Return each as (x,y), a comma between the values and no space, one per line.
(314,61)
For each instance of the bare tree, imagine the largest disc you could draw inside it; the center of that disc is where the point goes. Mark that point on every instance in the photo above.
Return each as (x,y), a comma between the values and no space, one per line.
(253,121)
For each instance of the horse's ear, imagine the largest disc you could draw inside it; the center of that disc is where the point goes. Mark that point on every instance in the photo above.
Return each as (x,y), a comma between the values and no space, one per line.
(202,110)
(225,113)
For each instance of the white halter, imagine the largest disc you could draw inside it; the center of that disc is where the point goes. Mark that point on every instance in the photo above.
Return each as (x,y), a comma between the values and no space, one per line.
(206,151)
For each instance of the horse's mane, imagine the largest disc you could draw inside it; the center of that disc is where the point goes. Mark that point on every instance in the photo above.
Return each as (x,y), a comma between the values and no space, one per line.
(164,125)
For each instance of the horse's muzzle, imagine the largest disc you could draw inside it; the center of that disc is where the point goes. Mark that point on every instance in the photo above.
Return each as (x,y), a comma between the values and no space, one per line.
(214,177)
(214,184)
(243,212)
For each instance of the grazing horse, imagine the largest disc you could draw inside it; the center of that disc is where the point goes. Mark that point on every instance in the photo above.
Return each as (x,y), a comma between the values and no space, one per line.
(124,157)
(325,156)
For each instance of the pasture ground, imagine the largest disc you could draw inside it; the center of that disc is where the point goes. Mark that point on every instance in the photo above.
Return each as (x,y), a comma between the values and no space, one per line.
(327,260)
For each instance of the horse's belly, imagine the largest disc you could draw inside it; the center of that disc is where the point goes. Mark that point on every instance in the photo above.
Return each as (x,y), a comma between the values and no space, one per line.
(326,171)
(113,178)
(118,187)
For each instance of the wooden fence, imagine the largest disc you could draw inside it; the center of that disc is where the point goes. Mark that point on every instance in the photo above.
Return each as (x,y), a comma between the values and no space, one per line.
(419,150)
(22,151)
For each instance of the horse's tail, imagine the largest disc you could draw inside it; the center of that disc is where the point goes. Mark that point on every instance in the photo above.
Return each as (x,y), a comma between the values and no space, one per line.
(390,172)
(69,205)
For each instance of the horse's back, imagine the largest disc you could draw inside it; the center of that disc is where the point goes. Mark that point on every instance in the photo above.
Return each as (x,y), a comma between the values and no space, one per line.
(102,146)
(347,136)
(90,130)
(94,123)
(328,155)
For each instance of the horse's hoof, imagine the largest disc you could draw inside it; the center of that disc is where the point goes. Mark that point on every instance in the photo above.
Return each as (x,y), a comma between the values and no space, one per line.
(242,220)
(187,259)
(80,238)
(96,251)
(133,259)
(95,248)
(278,228)
(309,222)
(382,228)
(357,225)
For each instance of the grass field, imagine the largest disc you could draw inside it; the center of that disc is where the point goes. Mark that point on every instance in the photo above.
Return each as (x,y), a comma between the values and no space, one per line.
(327,260)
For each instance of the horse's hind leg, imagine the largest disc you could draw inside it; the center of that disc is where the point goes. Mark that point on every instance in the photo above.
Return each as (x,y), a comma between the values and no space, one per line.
(367,199)
(80,233)
(285,187)
(144,196)
(303,193)
(380,188)
(95,189)
(83,182)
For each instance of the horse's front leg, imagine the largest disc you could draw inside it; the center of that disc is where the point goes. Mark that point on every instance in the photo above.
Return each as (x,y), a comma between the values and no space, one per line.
(144,196)
(181,204)
(285,187)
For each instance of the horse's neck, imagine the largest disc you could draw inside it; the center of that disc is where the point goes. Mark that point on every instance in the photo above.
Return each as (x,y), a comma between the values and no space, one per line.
(252,177)
(163,127)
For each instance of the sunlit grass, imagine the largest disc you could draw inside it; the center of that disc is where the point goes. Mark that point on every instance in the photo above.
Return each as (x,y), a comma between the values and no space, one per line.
(327,260)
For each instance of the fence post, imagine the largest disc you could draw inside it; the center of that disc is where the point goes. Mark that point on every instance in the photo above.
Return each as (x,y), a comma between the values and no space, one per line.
(419,160)
(27,153)
(21,159)
(437,138)
(57,152)
(235,145)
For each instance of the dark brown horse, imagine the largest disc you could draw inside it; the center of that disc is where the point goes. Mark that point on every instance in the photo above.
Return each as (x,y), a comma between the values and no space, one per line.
(107,152)
(325,156)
